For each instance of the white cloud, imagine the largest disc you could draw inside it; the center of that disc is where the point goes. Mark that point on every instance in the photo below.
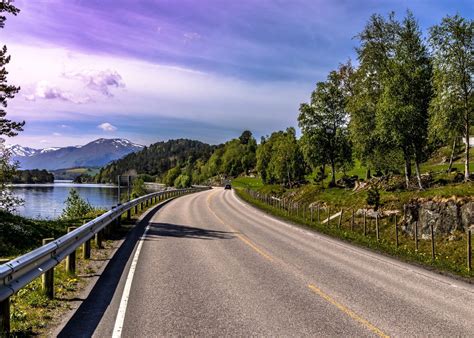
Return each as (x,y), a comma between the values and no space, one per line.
(152,90)
(57,134)
(45,90)
(190,36)
(106,126)
(100,81)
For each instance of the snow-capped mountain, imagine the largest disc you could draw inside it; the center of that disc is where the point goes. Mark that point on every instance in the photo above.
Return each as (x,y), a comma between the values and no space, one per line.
(94,154)
(17,150)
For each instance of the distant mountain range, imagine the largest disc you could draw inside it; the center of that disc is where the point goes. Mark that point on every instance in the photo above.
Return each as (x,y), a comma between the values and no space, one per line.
(94,154)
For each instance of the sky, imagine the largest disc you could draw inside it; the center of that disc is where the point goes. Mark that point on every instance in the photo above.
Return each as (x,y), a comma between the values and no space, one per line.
(152,70)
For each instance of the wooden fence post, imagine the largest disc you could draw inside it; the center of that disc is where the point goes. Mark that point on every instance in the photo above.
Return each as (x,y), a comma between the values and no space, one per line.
(365,222)
(340,219)
(432,242)
(329,216)
(396,231)
(71,258)
(47,278)
(469,251)
(416,236)
(352,220)
(377,226)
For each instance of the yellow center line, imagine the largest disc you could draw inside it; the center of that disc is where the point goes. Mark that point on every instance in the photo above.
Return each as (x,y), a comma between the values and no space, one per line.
(241,237)
(348,311)
(312,287)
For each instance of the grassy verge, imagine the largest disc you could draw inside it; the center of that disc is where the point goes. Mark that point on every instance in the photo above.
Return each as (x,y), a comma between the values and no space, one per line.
(32,313)
(450,255)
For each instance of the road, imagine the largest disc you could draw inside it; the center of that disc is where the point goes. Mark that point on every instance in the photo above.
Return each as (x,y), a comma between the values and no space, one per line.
(209,264)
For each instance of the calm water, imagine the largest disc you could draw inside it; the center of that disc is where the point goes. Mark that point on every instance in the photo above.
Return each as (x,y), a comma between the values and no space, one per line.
(46,201)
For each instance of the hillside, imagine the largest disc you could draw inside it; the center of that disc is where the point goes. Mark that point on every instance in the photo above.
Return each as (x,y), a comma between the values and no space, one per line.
(157,159)
(94,154)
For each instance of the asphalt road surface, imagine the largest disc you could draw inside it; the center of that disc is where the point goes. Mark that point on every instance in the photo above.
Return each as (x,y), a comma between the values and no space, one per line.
(209,264)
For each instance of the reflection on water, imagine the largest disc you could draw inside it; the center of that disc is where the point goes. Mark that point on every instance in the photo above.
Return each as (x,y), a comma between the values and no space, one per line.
(47,200)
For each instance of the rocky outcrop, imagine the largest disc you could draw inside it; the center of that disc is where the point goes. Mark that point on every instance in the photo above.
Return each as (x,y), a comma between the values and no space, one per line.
(446,216)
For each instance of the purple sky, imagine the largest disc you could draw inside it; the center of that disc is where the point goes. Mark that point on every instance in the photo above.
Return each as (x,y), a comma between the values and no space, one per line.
(153,70)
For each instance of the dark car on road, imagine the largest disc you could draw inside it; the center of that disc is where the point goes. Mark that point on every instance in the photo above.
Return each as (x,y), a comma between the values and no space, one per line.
(227,186)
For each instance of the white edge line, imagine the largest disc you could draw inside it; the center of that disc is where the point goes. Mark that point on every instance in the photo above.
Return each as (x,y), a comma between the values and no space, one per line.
(119,321)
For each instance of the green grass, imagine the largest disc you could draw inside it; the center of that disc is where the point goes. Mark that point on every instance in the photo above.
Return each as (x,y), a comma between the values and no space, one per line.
(450,255)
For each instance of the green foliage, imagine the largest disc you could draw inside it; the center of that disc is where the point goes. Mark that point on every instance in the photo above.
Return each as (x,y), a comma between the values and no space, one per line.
(33,176)
(19,235)
(182,181)
(157,159)
(171,176)
(75,206)
(402,112)
(323,122)
(279,159)
(452,43)
(138,188)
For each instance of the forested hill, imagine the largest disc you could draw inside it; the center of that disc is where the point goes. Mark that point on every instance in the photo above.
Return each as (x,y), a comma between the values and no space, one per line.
(157,159)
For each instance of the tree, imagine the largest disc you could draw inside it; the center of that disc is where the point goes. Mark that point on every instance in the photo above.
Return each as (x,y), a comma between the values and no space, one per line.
(323,122)
(402,112)
(138,188)
(76,206)
(182,181)
(171,176)
(452,43)
(279,159)
(8,128)
(377,42)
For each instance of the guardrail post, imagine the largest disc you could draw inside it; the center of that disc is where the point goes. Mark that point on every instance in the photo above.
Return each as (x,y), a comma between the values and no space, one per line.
(98,239)
(136,209)
(319,213)
(71,259)
(340,219)
(5,318)
(311,210)
(47,278)
(129,214)
(86,249)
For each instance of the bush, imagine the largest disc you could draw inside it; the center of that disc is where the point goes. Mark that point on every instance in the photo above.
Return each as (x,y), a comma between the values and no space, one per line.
(138,188)
(373,197)
(76,206)
(182,181)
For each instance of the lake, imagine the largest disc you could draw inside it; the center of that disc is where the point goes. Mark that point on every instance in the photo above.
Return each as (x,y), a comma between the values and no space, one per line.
(46,201)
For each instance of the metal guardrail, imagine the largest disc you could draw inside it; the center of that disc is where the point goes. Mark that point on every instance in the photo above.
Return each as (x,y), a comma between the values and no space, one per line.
(22,270)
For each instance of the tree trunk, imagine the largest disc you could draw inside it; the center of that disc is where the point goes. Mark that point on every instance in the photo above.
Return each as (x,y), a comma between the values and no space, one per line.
(452,156)
(368,174)
(407,171)
(333,178)
(466,165)
(418,175)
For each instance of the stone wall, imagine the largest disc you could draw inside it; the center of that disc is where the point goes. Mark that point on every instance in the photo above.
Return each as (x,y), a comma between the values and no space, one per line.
(446,216)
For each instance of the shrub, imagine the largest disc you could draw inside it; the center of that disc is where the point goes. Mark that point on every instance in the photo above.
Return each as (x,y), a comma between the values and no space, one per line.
(76,206)
(373,197)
